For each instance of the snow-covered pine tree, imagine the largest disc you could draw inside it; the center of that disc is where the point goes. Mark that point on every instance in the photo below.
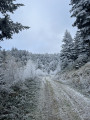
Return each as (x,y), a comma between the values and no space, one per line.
(66,54)
(80,49)
(7,26)
(81,10)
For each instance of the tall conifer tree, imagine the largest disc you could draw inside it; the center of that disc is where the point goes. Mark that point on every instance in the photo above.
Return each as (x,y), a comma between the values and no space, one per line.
(81,11)
(66,52)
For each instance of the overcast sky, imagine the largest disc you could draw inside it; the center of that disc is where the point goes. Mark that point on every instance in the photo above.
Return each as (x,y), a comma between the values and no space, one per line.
(48,20)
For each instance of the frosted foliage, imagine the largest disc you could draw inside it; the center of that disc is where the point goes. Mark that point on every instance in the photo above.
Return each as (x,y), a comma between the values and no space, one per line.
(81,10)
(29,70)
(82,57)
(67,50)
(40,72)
(11,73)
(67,37)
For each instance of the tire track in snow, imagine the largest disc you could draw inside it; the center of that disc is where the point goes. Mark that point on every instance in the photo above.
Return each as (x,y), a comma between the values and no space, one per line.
(81,103)
(59,102)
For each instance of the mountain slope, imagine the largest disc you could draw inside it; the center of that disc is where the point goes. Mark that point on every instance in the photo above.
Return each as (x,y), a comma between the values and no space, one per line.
(78,79)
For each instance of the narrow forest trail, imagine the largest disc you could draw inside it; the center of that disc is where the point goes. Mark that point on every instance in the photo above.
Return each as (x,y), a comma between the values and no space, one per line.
(60,102)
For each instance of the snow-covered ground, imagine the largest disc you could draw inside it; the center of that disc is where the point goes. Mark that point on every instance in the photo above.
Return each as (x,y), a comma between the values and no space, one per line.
(58,101)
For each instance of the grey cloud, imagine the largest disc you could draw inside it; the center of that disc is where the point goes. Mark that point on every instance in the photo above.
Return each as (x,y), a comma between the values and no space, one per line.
(48,20)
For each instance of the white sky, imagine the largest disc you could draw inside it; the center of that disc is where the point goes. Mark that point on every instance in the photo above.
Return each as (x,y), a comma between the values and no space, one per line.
(48,20)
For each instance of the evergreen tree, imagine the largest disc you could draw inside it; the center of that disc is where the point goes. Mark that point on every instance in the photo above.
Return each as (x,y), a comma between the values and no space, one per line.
(80,47)
(81,10)
(66,54)
(7,26)
(81,50)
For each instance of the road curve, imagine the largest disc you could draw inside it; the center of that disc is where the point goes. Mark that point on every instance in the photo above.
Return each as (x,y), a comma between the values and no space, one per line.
(60,102)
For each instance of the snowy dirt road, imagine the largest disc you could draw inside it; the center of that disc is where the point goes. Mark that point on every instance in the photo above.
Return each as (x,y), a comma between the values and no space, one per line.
(60,102)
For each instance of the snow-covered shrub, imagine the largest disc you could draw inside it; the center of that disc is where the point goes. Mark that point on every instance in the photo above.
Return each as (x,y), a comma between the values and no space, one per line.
(40,72)
(29,70)
(19,102)
(11,72)
(81,60)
